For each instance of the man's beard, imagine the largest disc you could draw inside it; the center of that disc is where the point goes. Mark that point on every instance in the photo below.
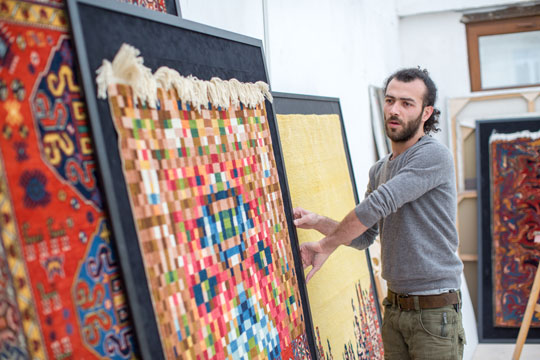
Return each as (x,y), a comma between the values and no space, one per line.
(406,132)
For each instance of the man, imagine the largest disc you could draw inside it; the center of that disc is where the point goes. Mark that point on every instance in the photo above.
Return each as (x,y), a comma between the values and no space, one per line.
(411,202)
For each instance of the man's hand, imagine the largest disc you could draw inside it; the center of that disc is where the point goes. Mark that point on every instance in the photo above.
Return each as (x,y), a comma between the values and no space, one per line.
(313,255)
(304,219)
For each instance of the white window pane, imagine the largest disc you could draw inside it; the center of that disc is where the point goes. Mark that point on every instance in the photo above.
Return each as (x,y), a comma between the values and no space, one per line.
(510,59)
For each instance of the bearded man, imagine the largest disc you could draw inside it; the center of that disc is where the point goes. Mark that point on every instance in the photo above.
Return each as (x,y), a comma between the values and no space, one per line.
(411,202)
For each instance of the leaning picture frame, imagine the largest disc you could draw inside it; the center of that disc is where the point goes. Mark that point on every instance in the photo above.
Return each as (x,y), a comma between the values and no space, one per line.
(376,103)
(100,28)
(508,257)
(321,179)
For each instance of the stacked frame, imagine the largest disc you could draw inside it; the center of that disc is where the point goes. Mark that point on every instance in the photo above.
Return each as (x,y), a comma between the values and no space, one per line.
(508,212)
(342,294)
(100,28)
(61,289)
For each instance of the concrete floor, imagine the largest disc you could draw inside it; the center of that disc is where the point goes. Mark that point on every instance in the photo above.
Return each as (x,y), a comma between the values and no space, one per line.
(505,352)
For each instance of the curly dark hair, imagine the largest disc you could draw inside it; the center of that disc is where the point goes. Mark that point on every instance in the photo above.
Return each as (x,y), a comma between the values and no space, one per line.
(411,74)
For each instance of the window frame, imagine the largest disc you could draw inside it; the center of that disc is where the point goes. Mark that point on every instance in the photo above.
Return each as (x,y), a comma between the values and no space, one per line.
(494,27)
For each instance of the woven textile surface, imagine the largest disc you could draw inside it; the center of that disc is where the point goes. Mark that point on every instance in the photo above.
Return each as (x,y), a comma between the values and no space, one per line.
(62,295)
(341,294)
(515,186)
(12,304)
(207,204)
(158,5)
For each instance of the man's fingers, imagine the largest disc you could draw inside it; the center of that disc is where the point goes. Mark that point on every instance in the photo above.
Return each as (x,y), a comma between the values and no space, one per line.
(305,261)
(305,257)
(311,273)
(304,220)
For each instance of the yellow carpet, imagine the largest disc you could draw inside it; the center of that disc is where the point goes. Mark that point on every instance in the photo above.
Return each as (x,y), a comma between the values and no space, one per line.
(319,181)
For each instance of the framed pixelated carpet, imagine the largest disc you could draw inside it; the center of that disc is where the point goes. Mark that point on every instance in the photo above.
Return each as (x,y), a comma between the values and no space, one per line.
(509,212)
(61,290)
(342,294)
(186,144)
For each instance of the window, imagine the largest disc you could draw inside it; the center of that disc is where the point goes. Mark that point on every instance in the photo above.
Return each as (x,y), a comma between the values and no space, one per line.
(503,53)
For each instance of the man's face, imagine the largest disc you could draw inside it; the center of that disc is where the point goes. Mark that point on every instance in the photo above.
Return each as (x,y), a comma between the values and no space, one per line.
(404,112)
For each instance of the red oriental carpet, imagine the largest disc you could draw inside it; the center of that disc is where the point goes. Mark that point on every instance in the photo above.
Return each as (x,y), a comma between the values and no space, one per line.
(61,294)
(515,184)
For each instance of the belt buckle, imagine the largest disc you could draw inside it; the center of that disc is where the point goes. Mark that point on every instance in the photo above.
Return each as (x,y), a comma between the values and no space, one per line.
(401,296)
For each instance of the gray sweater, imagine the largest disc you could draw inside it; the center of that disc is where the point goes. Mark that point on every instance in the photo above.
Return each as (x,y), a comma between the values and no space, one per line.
(412,200)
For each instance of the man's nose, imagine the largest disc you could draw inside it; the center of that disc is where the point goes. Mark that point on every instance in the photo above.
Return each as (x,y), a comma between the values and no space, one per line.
(393,109)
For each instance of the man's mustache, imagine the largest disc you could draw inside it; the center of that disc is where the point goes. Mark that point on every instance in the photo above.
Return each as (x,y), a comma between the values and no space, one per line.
(394,118)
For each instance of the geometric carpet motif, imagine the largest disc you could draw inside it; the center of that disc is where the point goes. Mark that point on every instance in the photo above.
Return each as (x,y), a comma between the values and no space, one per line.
(158,5)
(61,293)
(515,194)
(346,318)
(207,204)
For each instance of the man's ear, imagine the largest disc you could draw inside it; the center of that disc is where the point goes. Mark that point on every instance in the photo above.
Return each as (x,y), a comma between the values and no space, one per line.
(428,110)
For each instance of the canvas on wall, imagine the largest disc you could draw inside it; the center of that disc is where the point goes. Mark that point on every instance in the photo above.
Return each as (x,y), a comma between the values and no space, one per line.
(515,202)
(376,103)
(510,187)
(342,295)
(205,241)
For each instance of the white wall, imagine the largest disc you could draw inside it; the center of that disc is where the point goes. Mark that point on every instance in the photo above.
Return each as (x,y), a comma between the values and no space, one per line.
(326,48)
(416,7)
(335,48)
(240,16)
(438,42)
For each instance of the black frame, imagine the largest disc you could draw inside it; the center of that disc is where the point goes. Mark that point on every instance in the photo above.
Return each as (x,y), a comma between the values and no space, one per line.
(487,332)
(176,4)
(99,29)
(285,104)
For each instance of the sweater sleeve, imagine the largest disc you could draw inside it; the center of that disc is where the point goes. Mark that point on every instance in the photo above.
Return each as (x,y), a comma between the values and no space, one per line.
(425,168)
(366,239)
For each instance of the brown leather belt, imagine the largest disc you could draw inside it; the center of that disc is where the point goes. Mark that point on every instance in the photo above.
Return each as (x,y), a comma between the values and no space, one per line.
(407,302)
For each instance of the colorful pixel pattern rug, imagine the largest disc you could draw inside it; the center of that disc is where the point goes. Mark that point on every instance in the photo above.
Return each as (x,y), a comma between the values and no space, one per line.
(515,186)
(207,204)
(61,292)
(341,295)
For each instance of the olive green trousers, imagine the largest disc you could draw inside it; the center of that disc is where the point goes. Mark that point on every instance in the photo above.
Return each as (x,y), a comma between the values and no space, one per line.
(424,334)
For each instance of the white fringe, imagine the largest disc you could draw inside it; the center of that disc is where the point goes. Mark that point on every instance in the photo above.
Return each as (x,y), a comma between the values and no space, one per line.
(127,68)
(513,136)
